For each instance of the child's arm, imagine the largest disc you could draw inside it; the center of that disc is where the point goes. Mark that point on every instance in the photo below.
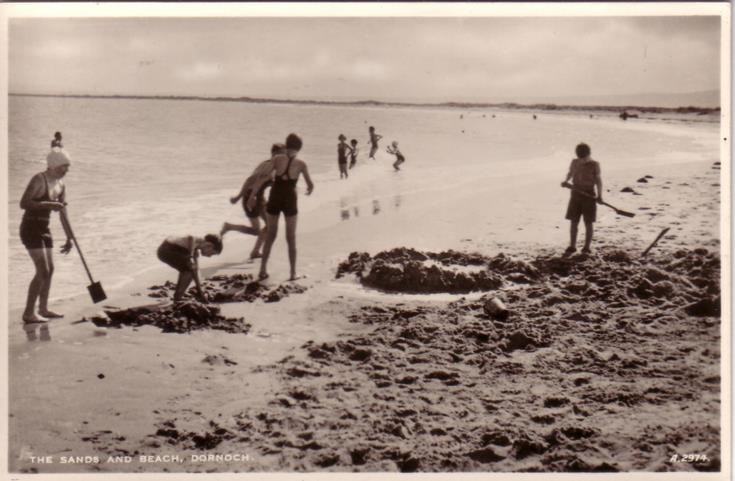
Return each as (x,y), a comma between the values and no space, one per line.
(598,182)
(307,178)
(193,246)
(197,283)
(67,230)
(234,200)
(65,223)
(565,182)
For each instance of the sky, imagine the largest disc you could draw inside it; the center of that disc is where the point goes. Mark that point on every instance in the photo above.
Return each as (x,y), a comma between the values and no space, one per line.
(434,59)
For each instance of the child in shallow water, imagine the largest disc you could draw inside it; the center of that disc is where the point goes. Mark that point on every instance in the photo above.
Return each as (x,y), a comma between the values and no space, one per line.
(181,253)
(353,153)
(393,149)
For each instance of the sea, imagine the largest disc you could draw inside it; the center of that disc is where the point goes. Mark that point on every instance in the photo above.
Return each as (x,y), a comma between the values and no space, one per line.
(143,169)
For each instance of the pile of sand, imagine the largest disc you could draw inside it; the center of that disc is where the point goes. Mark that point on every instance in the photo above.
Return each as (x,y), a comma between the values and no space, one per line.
(588,373)
(233,288)
(181,317)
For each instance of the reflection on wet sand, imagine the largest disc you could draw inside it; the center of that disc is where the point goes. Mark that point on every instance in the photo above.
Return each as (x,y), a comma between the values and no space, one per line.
(345,207)
(376,206)
(37,331)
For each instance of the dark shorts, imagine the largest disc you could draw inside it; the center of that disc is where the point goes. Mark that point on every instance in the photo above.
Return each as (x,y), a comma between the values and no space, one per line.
(282,201)
(582,206)
(35,233)
(175,255)
(258,208)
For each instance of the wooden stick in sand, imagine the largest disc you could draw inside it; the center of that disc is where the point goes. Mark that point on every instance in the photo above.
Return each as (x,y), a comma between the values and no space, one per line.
(655,241)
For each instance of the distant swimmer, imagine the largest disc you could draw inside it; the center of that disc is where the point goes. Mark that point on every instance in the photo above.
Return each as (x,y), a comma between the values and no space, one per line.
(534,116)
(585,176)
(353,153)
(56,142)
(252,194)
(182,253)
(393,149)
(374,138)
(625,116)
(44,194)
(342,151)
(282,198)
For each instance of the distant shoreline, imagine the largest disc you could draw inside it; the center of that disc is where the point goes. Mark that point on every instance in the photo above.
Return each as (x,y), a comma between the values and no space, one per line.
(375,103)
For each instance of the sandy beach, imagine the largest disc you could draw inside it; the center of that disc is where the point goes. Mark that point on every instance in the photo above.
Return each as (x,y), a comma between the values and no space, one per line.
(383,358)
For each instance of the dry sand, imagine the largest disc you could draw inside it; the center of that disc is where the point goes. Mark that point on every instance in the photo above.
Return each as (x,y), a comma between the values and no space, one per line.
(609,362)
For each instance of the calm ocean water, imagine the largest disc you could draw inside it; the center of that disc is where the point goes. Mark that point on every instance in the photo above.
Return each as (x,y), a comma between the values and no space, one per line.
(144,169)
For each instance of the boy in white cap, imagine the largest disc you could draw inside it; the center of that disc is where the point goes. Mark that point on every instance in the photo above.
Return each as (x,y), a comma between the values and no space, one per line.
(393,149)
(45,193)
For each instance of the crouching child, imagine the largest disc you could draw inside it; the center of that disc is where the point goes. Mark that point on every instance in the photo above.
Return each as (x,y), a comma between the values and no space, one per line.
(182,253)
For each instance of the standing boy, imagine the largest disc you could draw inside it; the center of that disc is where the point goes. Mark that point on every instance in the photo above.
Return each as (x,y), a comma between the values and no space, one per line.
(585,176)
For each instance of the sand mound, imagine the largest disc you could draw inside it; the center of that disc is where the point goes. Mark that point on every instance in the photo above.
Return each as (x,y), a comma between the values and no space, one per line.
(565,383)
(182,317)
(233,288)
(408,270)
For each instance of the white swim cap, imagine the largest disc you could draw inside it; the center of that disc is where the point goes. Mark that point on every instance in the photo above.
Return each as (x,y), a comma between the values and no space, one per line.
(57,157)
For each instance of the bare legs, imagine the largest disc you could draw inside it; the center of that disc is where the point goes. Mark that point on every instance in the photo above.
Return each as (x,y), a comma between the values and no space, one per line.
(254,230)
(40,285)
(291,241)
(272,228)
(255,221)
(573,229)
(588,226)
(185,279)
(272,232)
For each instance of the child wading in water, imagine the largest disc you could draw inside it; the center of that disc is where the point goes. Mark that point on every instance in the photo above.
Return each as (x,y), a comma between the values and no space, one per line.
(353,153)
(181,253)
(342,151)
(393,149)
(374,138)
(585,176)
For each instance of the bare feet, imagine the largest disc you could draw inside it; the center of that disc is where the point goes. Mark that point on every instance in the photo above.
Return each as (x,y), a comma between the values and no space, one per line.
(255,255)
(262,276)
(225,228)
(32,318)
(51,314)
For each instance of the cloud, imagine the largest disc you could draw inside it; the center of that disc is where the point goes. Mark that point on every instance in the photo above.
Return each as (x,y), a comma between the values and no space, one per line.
(368,69)
(200,71)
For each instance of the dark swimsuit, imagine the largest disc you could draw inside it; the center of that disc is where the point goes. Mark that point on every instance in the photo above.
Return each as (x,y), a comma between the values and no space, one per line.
(34,227)
(283,194)
(258,207)
(175,255)
(341,155)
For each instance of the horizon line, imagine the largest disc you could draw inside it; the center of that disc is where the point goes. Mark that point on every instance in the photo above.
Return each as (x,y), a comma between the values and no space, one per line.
(507,104)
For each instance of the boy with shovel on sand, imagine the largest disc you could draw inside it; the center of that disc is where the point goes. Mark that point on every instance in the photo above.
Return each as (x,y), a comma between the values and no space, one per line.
(584,172)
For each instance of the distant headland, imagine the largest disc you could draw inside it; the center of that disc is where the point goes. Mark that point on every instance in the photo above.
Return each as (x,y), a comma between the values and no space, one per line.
(458,105)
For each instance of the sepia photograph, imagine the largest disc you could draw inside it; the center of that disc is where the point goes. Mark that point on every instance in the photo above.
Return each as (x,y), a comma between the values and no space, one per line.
(479,240)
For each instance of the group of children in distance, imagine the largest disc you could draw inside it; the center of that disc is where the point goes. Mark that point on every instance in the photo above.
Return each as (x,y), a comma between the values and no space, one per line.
(344,150)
